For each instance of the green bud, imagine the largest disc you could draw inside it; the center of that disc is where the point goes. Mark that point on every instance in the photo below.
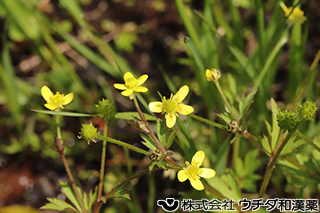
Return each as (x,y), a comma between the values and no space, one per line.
(307,110)
(89,132)
(234,127)
(155,155)
(106,109)
(287,120)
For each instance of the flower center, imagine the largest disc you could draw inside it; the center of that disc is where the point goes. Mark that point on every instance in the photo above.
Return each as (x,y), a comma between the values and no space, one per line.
(169,106)
(131,83)
(56,99)
(193,170)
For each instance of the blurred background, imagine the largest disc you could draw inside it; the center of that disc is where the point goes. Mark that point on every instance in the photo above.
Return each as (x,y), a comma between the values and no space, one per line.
(85,46)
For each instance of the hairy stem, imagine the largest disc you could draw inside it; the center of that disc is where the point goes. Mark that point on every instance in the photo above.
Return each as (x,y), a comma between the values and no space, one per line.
(306,81)
(225,100)
(60,148)
(103,160)
(272,161)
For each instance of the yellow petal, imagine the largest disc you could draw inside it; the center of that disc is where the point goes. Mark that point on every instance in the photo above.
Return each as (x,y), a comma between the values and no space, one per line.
(198,158)
(140,89)
(170,119)
(142,79)
(182,176)
(127,76)
(208,75)
(155,106)
(181,94)
(51,107)
(120,86)
(184,109)
(127,92)
(207,173)
(197,184)
(67,99)
(46,93)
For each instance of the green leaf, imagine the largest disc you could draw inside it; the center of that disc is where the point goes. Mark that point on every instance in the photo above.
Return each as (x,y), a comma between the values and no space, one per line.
(245,103)
(171,137)
(67,190)
(161,131)
(130,115)
(63,113)
(59,205)
(148,142)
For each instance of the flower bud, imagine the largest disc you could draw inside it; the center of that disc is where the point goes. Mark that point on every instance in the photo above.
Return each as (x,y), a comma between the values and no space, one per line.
(106,109)
(233,127)
(287,120)
(213,74)
(307,110)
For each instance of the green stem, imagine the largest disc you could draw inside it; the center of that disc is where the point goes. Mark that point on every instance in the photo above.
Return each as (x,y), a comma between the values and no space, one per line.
(124,182)
(306,80)
(308,140)
(66,165)
(236,150)
(270,59)
(211,123)
(225,100)
(58,128)
(123,144)
(103,161)
(272,161)
(153,136)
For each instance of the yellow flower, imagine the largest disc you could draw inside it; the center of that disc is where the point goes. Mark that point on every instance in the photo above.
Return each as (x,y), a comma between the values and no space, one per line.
(171,106)
(55,102)
(296,16)
(213,74)
(193,172)
(132,85)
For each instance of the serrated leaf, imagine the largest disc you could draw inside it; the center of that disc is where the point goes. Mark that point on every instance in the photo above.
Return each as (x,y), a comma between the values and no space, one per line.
(148,142)
(265,145)
(291,146)
(67,190)
(245,103)
(275,128)
(92,197)
(59,205)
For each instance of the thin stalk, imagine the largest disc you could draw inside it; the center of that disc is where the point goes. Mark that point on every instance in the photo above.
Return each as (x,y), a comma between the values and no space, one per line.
(236,150)
(306,81)
(103,161)
(211,123)
(124,182)
(308,140)
(123,144)
(153,136)
(225,100)
(60,148)
(272,161)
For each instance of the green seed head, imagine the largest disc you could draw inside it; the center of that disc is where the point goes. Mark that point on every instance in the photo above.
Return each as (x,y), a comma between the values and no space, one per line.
(106,109)
(307,110)
(287,120)
(89,132)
